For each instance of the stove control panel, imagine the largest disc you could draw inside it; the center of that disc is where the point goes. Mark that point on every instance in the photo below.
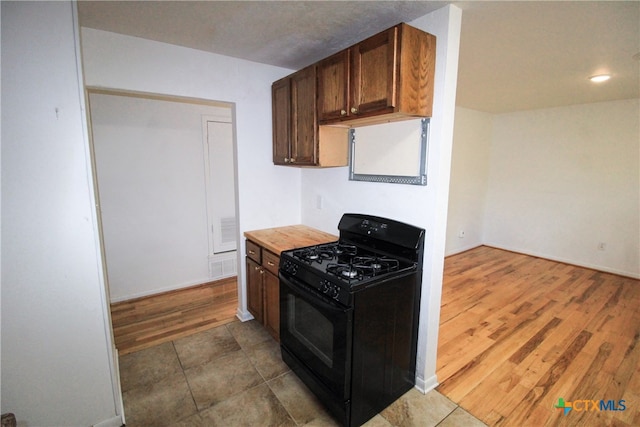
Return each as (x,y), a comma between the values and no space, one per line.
(315,280)
(369,226)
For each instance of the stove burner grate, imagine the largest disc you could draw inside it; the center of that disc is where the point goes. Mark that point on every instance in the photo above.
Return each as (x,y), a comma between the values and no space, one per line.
(360,267)
(376,264)
(346,271)
(315,253)
(325,252)
(344,249)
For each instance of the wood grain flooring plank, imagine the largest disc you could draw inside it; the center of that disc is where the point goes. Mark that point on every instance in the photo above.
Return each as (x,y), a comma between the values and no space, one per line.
(590,385)
(625,370)
(533,367)
(537,396)
(534,341)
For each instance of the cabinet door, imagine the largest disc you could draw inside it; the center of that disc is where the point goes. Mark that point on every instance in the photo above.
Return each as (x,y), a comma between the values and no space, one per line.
(272,304)
(333,86)
(373,73)
(304,128)
(281,106)
(254,289)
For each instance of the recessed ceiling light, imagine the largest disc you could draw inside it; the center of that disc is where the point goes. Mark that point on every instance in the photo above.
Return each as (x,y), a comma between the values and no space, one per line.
(600,78)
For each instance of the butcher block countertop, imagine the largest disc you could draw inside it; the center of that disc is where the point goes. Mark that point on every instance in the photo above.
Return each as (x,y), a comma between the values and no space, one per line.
(280,239)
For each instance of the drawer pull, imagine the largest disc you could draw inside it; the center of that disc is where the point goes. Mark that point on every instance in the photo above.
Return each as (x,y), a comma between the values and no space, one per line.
(270,263)
(252,252)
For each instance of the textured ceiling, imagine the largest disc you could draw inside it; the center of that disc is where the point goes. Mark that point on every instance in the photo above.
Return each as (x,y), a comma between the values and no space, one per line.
(290,34)
(526,55)
(513,55)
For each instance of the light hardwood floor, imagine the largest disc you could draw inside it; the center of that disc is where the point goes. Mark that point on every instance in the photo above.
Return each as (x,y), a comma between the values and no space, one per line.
(518,332)
(144,322)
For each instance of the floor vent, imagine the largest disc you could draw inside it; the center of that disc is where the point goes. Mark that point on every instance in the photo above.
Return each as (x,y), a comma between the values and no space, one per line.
(223,265)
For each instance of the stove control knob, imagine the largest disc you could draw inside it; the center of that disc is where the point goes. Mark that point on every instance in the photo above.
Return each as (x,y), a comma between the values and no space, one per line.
(325,286)
(334,292)
(290,268)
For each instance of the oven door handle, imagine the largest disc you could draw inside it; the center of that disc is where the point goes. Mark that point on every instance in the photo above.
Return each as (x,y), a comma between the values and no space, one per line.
(311,296)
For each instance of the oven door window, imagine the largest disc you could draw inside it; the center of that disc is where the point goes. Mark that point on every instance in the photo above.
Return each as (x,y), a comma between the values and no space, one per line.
(311,328)
(317,331)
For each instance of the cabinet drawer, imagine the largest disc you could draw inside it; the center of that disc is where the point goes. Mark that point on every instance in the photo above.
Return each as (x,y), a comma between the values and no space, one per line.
(270,262)
(254,251)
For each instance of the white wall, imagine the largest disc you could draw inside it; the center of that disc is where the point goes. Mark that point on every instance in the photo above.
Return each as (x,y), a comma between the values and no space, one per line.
(564,180)
(425,207)
(469,179)
(269,196)
(56,345)
(150,164)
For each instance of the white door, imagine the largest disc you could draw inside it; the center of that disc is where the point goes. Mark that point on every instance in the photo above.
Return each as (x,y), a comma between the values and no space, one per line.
(221,192)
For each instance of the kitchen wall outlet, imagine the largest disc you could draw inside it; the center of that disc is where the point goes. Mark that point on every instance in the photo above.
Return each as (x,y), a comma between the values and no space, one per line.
(602,246)
(461,234)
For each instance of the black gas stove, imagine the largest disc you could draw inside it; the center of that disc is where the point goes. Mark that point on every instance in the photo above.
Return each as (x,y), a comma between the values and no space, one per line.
(349,315)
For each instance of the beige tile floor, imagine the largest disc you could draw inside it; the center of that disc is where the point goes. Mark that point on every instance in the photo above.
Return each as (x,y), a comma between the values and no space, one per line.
(232,375)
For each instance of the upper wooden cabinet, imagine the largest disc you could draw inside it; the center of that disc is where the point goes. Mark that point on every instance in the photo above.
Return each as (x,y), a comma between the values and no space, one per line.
(281,105)
(294,123)
(297,138)
(386,77)
(333,86)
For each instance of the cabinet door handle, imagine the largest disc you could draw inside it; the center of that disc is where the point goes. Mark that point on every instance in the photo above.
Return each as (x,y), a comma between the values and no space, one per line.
(292,160)
(286,160)
(256,268)
(343,112)
(354,110)
(261,271)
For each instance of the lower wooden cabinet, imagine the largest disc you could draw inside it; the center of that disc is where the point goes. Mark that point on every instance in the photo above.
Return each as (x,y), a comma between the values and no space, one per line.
(271,291)
(263,287)
(254,290)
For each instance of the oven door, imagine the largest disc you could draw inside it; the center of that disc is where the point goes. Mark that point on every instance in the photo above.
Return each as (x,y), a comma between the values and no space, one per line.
(317,332)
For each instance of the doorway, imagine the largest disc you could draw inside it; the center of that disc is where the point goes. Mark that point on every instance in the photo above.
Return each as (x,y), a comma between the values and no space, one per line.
(165,178)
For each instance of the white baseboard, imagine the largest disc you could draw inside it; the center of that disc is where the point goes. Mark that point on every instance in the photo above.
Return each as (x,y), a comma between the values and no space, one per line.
(426,385)
(461,249)
(117,393)
(111,422)
(243,315)
(162,290)
(566,261)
